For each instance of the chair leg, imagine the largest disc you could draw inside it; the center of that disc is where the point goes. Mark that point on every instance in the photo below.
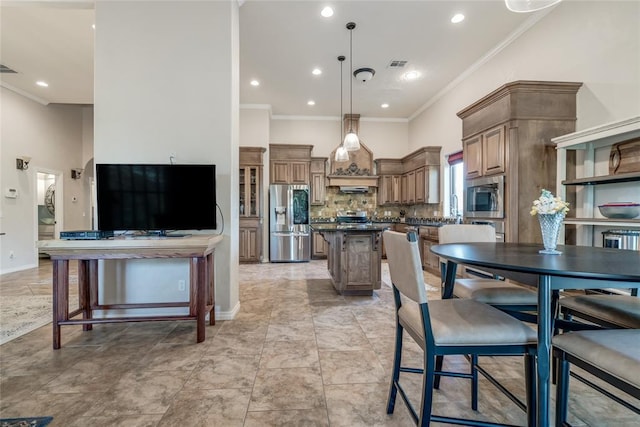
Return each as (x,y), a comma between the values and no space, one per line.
(439,362)
(427,389)
(395,375)
(530,384)
(562,391)
(474,382)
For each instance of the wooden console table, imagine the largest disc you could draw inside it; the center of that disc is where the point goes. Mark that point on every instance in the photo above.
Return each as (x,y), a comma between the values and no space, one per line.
(198,248)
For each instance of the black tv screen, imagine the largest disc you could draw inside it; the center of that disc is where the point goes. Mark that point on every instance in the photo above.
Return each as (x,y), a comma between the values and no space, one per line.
(156,197)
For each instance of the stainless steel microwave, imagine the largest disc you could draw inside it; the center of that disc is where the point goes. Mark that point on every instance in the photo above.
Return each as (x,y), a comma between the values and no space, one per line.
(484,197)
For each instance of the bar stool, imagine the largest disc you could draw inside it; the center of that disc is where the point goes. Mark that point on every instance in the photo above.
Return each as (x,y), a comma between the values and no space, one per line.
(446,327)
(608,311)
(613,355)
(514,299)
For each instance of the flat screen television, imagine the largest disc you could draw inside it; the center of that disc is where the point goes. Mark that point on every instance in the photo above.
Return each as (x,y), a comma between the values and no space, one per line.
(156,198)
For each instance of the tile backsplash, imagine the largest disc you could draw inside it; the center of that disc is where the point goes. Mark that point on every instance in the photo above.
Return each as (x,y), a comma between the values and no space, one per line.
(337,201)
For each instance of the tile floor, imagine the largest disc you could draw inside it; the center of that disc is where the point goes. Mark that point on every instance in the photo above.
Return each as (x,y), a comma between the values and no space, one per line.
(296,355)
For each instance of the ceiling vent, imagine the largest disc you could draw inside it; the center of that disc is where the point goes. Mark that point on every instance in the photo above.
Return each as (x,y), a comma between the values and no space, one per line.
(397,63)
(5,69)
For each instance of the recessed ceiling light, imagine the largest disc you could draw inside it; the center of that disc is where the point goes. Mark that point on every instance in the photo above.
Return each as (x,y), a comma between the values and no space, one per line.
(316,71)
(43,84)
(327,12)
(93,26)
(385,105)
(255,83)
(457,18)
(311,102)
(411,75)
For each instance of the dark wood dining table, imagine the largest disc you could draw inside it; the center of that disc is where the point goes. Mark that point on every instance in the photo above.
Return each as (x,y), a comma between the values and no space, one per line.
(577,267)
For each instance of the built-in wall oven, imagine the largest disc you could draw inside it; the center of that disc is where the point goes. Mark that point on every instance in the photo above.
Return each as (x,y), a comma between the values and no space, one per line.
(484,197)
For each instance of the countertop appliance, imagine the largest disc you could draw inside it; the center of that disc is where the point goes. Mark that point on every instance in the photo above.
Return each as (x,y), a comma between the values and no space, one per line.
(621,239)
(290,234)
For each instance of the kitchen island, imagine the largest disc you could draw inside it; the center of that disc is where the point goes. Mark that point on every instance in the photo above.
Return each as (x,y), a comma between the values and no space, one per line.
(355,255)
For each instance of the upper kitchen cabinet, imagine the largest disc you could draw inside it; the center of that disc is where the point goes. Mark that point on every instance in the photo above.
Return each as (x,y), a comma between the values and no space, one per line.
(422,168)
(318,178)
(250,182)
(508,133)
(290,163)
(412,179)
(597,166)
(389,173)
(485,153)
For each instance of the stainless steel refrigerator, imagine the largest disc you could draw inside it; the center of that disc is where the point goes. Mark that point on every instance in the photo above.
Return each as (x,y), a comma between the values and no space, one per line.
(290,234)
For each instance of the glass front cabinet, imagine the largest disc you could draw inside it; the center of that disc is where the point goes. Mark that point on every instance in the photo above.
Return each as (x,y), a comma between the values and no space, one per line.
(250,204)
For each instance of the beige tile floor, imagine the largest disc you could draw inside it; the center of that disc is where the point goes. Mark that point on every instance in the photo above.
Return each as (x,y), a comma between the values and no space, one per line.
(296,355)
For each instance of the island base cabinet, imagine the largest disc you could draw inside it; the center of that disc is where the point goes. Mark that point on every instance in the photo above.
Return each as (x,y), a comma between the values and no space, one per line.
(354,261)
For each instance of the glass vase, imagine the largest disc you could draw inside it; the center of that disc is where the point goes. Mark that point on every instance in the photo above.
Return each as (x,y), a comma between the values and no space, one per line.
(550,227)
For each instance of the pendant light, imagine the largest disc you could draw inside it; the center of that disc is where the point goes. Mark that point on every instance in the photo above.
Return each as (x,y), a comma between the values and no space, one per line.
(342,155)
(524,6)
(351,141)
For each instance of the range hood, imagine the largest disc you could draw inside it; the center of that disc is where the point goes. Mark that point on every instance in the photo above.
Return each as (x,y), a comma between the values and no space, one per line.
(352,181)
(354,189)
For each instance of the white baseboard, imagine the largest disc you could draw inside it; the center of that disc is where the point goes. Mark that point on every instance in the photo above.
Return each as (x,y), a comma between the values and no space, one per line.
(19,268)
(227,315)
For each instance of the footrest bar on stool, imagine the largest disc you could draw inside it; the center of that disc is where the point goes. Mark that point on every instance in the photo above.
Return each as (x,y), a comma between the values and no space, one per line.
(605,392)
(502,388)
(467,422)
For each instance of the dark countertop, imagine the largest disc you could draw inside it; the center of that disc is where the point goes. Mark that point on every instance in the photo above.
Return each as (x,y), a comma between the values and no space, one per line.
(348,227)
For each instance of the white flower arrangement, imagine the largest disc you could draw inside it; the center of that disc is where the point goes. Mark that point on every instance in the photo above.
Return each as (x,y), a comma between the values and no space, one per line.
(548,204)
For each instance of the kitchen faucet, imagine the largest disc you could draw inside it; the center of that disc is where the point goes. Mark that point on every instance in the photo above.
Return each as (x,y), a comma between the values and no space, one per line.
(454,209)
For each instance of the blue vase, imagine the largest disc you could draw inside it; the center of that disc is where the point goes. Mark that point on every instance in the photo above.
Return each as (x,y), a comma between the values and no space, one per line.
(550,227)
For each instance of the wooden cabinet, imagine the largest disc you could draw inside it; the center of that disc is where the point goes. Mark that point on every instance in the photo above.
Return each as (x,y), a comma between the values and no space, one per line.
(428,238)
(493,151)
(319,248)
(484,154)
(289,172)
(318,180)
(404,189)
(250,240)
(508,132)
(412,179)
(389,190)
(472,149)
(411,187)
(289,164)
(587,180)
(250,203)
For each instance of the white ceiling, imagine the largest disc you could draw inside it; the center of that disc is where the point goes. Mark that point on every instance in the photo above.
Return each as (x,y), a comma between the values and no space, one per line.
(280,43)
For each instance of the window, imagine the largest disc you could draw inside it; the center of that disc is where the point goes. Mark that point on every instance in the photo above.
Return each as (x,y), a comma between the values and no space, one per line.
(456,178)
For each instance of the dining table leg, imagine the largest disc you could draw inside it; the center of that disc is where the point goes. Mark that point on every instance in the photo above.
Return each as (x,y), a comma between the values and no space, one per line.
(544,349)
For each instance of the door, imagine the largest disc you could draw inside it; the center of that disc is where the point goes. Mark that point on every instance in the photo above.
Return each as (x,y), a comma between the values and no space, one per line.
(46,205)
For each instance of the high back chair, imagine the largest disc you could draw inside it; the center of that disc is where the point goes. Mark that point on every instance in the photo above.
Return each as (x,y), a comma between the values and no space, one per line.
(447,327)
(606,311)
(612,355)
(517,300)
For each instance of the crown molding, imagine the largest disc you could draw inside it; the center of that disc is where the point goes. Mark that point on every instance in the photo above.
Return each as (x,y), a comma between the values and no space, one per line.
(25,94)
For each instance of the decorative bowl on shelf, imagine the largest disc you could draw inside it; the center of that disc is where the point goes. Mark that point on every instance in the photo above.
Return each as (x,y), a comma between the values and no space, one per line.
(620,210)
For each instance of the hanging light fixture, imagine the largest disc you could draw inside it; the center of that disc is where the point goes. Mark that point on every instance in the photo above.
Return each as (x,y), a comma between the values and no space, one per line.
(351,141)
(342,155)
(523,6)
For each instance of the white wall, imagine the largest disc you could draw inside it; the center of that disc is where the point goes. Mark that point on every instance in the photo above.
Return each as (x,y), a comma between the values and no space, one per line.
(593,42)
(385,138)
(148,108)
(52,136)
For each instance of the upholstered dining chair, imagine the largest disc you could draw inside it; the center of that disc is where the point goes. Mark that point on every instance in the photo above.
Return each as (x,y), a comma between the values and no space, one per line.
(612,355)
(514,299)
(607,311)
(448,327)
